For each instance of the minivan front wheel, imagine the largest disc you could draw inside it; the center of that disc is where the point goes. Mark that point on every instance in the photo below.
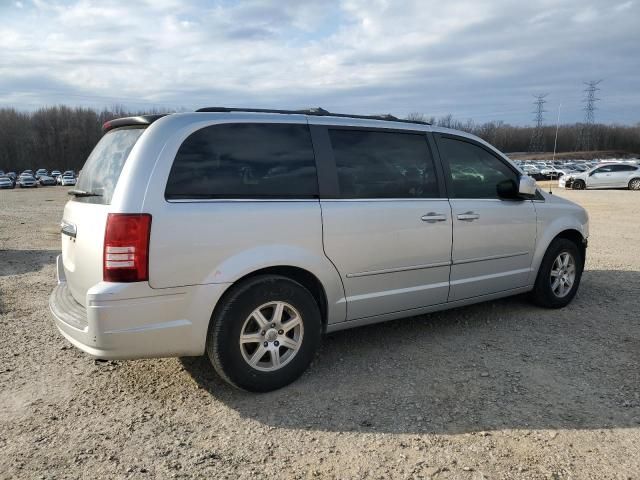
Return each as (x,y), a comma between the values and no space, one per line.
(559,275)
(264,333)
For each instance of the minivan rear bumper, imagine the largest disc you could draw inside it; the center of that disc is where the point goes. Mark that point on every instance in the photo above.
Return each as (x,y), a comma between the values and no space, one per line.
(132,320)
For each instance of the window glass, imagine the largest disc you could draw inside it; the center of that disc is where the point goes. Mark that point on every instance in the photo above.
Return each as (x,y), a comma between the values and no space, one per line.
(374,164)
(475,173)
(605,169)
(623,168)
(245,160)
(102,169)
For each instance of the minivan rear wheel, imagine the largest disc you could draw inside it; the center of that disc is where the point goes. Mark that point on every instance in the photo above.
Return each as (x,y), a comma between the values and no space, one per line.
(559,275)
(265,333)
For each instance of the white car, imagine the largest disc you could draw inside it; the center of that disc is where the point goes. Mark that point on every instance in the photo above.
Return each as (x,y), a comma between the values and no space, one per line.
(553,172)
(67,180)
(608,175)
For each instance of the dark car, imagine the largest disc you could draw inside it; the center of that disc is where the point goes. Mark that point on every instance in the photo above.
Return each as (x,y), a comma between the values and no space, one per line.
(47,180)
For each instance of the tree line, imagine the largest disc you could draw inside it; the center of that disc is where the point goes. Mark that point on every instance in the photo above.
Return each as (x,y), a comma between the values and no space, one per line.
(62,137)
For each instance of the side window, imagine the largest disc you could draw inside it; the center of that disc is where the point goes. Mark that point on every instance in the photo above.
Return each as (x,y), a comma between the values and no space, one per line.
(606,169)
(623,168)
(475,173)
(374,164)
(245,160)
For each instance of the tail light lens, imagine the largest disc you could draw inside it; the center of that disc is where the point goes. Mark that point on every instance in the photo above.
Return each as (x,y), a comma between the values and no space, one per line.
(126,247)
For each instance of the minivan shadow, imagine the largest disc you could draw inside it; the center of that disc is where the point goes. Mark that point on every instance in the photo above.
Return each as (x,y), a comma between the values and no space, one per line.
(19,262)
(499,365)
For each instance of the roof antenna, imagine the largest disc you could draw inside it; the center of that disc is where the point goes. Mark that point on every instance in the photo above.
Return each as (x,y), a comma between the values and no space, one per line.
(555,144)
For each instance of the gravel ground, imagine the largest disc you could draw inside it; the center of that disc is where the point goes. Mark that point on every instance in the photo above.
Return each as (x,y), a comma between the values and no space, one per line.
(498,390)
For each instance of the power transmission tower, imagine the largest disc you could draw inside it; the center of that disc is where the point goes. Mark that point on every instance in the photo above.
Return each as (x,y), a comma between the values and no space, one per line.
(537,137)
(585,137)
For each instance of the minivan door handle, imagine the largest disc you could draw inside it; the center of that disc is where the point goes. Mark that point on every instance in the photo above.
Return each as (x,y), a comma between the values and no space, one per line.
(468,216)
(67,228)
(433,217)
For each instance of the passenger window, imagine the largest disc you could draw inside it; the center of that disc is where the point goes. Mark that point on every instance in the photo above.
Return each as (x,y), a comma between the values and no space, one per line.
(374,164)
(475,173)
(245,160)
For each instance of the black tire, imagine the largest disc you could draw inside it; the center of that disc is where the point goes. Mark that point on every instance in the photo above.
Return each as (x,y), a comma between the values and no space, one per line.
(228,320)
(542,293)
(578,185)
(634,184)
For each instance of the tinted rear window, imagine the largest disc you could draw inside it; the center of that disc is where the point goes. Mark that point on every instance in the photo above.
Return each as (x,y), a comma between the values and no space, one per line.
(245,160)
(102,169)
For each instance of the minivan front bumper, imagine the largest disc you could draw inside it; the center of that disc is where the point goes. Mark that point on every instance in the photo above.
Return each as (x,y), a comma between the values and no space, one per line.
(132,320)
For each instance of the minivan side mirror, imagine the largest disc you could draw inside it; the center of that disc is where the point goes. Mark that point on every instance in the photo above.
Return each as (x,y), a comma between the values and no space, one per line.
(527,186)
(507,189)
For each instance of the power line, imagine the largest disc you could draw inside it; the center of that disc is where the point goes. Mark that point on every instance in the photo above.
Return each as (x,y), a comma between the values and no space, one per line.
(537,137)
(586,140)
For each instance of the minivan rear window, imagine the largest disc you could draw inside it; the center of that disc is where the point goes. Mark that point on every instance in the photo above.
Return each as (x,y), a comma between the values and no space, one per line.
(103,167)
(245,160)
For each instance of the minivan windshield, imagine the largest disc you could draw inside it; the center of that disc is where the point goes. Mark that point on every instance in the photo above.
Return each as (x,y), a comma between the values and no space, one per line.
(102,169)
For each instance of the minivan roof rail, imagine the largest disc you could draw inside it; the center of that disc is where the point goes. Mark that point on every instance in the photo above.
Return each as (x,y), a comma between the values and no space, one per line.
(320,112)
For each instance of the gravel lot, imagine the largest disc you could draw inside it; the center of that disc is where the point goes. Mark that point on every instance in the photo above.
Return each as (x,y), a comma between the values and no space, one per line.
(498,390)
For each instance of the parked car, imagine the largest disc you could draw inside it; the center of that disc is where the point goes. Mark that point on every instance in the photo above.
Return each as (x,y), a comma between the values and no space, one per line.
(67,180)
(246,235)
(553,172)
(533,172)
(41,172)
(609,175)
(56,173)
(67,173)
(47,180)
(6,182)
(27,181)
(28,172)
(12,176)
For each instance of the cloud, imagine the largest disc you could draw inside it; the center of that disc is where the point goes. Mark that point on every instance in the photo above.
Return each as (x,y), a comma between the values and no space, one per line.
(471,59)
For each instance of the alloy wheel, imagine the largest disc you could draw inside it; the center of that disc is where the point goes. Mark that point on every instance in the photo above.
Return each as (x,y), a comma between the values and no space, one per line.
(271,336)
(563,274)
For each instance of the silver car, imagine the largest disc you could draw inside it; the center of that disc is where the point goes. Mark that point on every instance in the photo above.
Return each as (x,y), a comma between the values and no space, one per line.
(247,235)
(606,175)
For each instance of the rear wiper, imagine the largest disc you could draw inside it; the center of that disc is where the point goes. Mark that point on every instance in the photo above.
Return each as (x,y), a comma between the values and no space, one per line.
(83,193)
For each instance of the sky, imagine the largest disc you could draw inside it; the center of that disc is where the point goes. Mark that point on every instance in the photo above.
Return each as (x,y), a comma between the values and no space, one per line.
(473,59)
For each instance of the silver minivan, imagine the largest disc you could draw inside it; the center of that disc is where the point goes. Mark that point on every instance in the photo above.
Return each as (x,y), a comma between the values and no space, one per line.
(247,234)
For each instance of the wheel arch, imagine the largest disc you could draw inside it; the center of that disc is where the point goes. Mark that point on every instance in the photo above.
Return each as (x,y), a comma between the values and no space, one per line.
(304,277)
(576,237)
(329,309)
(571,233)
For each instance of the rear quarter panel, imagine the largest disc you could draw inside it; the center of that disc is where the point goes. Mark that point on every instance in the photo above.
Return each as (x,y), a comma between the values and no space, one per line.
(204,242)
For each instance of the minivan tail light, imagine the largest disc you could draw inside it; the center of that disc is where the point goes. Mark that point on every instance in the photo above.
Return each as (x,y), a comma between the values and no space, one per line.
(126,247)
